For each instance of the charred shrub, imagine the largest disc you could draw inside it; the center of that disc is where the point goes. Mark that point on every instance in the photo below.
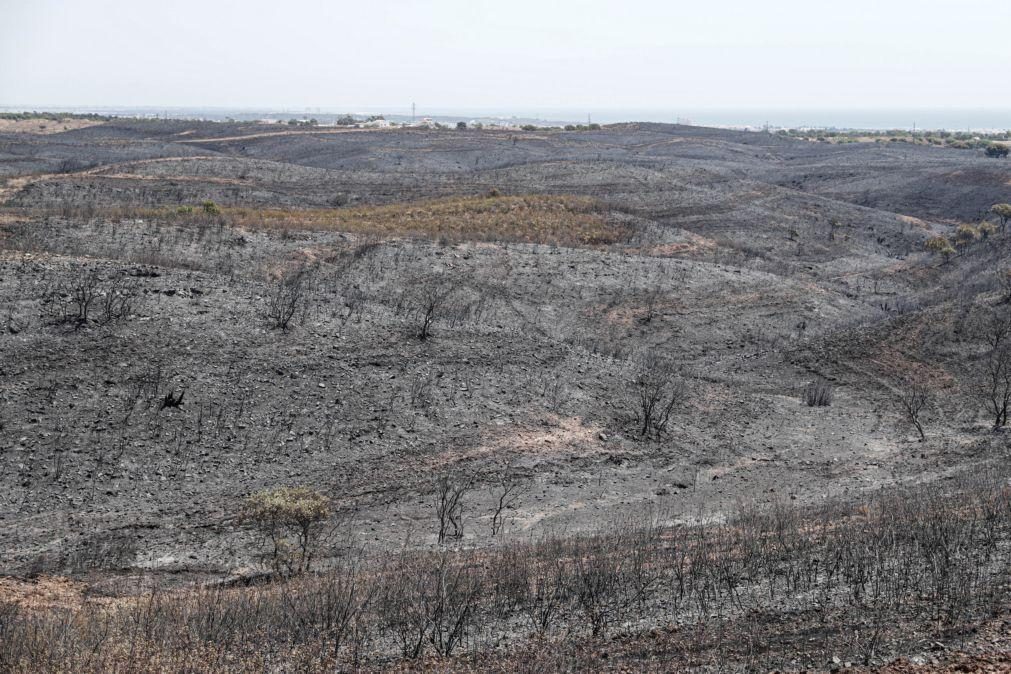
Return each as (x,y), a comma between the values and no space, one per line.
(818,394)
(450,493)
(914,397)
(118,300)
(84,296)
(658,391)
(289,298)
(428,301)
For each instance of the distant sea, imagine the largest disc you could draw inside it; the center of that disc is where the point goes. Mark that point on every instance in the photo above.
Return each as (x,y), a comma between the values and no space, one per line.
(951,119)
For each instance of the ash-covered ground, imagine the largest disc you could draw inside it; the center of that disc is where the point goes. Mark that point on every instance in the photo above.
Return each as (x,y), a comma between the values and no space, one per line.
(749,264)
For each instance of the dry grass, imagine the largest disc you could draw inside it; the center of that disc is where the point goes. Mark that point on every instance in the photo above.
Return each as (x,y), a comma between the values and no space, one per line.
(558,220)
(45,126)
(42,593)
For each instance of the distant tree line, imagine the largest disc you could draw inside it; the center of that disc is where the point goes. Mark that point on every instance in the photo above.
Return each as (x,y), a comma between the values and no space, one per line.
(54,116)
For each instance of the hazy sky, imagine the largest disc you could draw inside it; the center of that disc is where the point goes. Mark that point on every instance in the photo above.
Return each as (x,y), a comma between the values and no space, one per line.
(506,54)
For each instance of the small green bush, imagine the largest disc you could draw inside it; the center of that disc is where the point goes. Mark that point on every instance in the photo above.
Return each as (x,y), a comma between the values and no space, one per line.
(966,234)
(940,246)
(1003,213)
(292,521)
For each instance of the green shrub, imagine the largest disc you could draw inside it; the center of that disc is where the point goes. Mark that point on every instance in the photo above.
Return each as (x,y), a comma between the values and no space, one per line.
(966,234)
(941,246)
(291,520)
(1003,213)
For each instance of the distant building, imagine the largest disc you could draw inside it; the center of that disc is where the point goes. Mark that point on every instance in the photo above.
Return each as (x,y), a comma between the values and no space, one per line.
(425,122)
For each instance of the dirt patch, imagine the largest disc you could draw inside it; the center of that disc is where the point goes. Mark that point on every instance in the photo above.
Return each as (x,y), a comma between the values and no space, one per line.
(694,245)
(916,222)
(558,438)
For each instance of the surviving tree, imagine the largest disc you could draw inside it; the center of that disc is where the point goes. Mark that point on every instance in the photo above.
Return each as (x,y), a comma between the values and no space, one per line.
(1003,213)
(941,246)
(292,521)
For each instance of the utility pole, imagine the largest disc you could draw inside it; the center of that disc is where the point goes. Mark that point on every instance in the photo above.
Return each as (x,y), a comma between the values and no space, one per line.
(412,113)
